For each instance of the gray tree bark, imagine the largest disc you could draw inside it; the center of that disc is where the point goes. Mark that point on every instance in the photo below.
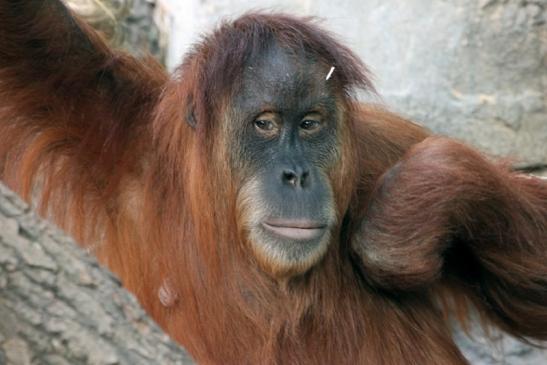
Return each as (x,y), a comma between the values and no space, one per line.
(58,306)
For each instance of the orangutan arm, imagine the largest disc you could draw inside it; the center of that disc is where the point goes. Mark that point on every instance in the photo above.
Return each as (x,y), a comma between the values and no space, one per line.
(444,213)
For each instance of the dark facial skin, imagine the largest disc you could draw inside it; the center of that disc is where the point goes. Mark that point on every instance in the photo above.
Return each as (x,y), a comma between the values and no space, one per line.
(287,143)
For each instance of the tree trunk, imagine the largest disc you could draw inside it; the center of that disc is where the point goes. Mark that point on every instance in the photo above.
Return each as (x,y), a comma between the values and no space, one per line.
(58,306)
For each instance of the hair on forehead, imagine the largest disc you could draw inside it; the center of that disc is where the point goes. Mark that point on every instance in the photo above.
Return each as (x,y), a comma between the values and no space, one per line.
(216,64)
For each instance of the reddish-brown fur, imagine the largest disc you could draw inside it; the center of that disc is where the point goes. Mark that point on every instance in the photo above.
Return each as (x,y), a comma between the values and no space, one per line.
(101,143)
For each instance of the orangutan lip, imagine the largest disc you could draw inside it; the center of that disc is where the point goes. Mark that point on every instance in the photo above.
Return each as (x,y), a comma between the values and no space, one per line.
(298,229)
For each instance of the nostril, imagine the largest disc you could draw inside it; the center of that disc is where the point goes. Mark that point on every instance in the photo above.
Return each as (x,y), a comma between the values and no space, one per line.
(290,177)
(304,178)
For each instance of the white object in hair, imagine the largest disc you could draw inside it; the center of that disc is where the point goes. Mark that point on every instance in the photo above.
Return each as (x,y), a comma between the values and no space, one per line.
(330,73)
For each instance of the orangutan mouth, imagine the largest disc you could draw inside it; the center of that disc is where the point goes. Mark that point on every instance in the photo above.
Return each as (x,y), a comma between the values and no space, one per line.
(295,229)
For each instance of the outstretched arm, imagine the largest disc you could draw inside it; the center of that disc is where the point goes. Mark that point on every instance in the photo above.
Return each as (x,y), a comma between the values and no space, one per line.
(75,130)
(71,107)
(444,213)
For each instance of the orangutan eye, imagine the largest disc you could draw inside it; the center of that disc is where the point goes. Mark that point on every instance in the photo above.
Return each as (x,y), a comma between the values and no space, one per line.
(310,124)
(265,125)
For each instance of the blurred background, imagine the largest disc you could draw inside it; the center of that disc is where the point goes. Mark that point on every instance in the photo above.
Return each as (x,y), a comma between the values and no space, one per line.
(472,69)
(475,70)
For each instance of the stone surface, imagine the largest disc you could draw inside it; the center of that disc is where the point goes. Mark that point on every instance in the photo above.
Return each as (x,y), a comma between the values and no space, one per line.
(495,348)
(475,70)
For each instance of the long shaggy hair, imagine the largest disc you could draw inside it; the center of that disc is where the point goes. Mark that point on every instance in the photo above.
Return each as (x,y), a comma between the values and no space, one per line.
(133,164)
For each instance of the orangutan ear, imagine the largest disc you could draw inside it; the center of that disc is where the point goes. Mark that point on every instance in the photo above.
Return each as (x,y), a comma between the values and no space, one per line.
(190,118)
(190,114)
